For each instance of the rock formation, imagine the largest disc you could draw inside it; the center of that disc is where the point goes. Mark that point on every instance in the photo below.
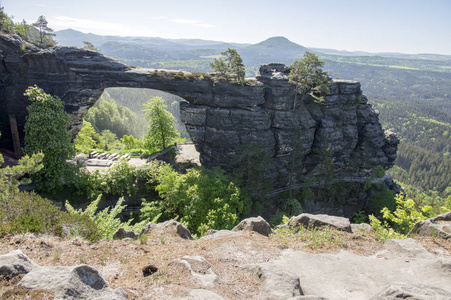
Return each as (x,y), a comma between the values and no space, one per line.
(339,139)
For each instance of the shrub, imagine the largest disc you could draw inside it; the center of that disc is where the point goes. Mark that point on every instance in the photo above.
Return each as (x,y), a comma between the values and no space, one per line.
(106,220)
(201,198)
(29,212)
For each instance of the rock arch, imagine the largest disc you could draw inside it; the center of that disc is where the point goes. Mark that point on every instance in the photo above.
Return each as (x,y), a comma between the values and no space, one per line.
(219,116)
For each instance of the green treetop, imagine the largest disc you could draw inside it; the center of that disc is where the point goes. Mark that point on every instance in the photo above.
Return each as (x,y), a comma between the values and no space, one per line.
(161,131)
(308,77)
(232,66)
(45,32)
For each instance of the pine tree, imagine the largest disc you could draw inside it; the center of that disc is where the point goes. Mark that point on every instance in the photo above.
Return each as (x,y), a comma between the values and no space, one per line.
(161,131)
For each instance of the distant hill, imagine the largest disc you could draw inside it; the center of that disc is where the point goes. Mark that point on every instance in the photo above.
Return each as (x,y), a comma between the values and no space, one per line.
(274,49)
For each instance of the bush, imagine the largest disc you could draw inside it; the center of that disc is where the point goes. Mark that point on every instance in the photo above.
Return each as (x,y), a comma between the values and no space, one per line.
(202,199)
(106,220)
(29,212)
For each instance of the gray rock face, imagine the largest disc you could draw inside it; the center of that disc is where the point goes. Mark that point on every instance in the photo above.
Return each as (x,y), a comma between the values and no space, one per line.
(169,227)
(257,224)
(15,263)
(309,220)
(80,282)
(219,116)
(439,226)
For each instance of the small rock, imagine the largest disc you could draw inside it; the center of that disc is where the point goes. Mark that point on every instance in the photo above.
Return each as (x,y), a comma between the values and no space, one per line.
(310,220)
(361,228)
(170,227)
(257,224)
(149,270)
(15,263)
(121,233)
(198,267)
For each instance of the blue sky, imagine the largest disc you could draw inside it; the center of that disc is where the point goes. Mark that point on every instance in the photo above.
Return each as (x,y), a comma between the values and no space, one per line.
(407,26)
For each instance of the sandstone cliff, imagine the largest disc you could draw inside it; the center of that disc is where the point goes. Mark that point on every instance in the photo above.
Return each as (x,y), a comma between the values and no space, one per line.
(340,138)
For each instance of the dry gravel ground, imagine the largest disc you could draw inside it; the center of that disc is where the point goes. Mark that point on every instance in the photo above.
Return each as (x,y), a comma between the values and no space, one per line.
(337,271)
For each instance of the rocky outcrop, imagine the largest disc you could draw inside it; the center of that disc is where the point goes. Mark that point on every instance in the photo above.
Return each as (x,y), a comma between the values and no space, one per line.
(439,226)
(15,263)
(66,282)
(169,227)
(338,139)
(257,224)
(316,221)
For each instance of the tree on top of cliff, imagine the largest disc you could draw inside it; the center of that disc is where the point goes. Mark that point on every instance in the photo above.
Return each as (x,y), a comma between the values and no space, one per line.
(45,32)
(6,24)
(161,131)
(308,77)
(232,66)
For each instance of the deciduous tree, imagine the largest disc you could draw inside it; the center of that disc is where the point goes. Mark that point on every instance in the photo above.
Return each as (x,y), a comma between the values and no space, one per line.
(47,131)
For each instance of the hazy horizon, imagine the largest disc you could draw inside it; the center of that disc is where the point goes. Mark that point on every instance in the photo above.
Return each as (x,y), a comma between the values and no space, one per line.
(410,27)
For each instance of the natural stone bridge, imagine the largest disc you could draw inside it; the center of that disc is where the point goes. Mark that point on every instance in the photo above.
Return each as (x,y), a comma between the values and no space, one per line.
(219,116)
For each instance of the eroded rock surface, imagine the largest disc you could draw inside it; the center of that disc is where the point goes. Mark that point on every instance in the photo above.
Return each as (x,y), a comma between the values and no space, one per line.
(340,137)
(15,263)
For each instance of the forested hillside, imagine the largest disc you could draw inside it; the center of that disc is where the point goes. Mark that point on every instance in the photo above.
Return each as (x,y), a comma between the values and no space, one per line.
(411,92)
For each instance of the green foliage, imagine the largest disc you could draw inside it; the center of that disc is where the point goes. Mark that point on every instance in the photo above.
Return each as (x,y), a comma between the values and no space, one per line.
(6,23)
(46,131)
(12,177)
(28,212)
(86,140)
(250,169)
(130,142)
(202,199)
(406,214)
(231,67)
(399,222)
(122,179)
(45,32)
(384,231)
(308,77)
(314,238)
(161,131)
(380,198)
(89,46)
(120,120)
(106,220)
(378,172)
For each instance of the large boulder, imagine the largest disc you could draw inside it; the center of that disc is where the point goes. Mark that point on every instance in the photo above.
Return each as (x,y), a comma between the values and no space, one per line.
(310,220)
(439,226)
(15,263)
(74,282)
(257,224)
(168,227)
